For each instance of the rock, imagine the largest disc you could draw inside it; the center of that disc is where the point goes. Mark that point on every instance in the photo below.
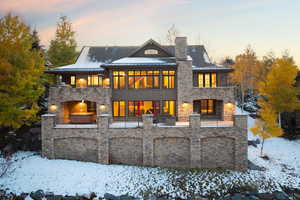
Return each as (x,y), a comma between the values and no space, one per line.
(252,166)
(252,143)
(265,196)
(69,198)
(281,196)
(237,197)
(92,195)
(22,196)
(126,197)
(252,197)
(38,195)
(108,196)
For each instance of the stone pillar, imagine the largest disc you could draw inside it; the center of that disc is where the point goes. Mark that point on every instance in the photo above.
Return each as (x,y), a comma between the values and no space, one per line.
(147,121)
(195,121)
(103,140)
(103,122)
(240,121)
(48,122)
(241,147)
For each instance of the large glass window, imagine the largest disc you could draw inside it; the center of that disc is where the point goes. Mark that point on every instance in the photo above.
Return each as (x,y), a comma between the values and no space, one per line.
(118,79)
(169,107)
(137,108)
(169,79)
(207,106)
(143,79)
(207,80)
(119,108)
(94,80)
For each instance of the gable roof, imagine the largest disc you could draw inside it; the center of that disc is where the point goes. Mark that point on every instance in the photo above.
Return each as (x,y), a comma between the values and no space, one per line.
(91,58)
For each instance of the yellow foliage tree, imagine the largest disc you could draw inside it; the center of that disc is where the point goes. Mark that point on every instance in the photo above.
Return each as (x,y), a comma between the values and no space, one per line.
(266,126)
(279,87)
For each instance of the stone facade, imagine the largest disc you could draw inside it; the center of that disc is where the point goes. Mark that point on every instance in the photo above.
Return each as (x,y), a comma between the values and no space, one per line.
(187,93)
(185,147)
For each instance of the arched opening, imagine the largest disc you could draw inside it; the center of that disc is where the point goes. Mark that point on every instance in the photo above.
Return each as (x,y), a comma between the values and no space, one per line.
(79,112)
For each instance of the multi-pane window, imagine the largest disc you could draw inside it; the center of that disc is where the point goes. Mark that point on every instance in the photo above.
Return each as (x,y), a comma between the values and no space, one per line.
(137,108)
(169,107)
(207,106)
(168,79)
(118,79)
(119,108)
(94,80)
(207,80)
(143,79)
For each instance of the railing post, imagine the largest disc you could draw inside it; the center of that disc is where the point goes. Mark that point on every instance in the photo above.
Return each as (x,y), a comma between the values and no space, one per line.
(48,122)
(147,121)
(195,120)
(103,121)
(240,121)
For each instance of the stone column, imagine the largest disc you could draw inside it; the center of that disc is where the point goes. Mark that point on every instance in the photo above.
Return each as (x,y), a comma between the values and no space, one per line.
(147,121)
(147,139)
(241,147)
(103,122)
(103,138)
(48,122)
(195,120)
(240,121)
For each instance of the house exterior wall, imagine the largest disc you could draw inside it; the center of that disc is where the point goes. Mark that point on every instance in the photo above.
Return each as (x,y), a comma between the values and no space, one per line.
(188,147)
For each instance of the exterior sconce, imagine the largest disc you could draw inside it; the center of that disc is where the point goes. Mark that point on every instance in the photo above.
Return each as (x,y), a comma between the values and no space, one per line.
(53,108)
(185,104)
(102,107)
(229,105)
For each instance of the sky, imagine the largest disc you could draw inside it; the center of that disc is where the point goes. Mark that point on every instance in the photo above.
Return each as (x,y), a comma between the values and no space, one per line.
(225,27)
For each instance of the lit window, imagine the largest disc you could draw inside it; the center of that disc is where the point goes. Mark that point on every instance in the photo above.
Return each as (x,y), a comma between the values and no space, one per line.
(143,79)
(207,80)
(169,107)
(118,79)
(207,106)
(169,79)
(138,108)
(93,80)
(73,80)
(119,108)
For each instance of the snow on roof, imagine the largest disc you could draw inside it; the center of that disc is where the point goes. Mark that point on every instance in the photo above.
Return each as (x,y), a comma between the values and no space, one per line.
(143,61)
(83,63)
(211,67)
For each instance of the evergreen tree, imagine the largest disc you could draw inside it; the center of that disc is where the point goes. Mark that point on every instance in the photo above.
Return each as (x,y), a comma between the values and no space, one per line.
(62,50)
(21,69)
(266,126)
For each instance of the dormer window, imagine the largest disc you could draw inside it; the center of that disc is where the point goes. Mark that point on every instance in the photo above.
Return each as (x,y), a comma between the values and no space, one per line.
(151,52)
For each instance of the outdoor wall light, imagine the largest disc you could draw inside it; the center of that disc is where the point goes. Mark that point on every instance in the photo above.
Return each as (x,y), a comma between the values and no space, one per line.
(102,107)
(185,104)
(53,108)
(229,105)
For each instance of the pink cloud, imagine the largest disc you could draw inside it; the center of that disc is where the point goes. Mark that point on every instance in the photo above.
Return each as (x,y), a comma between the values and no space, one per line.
(38,6)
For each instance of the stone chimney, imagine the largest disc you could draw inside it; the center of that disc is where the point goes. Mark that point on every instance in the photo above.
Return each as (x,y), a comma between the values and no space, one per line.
(181,48)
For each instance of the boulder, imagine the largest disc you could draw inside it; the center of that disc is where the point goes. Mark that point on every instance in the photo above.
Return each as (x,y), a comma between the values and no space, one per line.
(253,166)
(38,195)
(108,196)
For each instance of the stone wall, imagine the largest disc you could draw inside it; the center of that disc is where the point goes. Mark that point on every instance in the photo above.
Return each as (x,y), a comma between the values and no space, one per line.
(186,147)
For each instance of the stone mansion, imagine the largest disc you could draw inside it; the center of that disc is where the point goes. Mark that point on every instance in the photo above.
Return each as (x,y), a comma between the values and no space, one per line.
(150,105)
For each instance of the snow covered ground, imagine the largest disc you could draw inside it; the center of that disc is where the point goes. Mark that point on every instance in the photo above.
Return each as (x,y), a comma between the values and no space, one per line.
(31,172)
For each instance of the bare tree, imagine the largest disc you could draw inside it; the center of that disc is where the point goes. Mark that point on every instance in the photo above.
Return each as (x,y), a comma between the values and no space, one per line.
(172,33)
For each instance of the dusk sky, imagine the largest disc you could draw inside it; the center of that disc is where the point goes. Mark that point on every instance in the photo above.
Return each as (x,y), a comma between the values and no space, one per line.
(225,27)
